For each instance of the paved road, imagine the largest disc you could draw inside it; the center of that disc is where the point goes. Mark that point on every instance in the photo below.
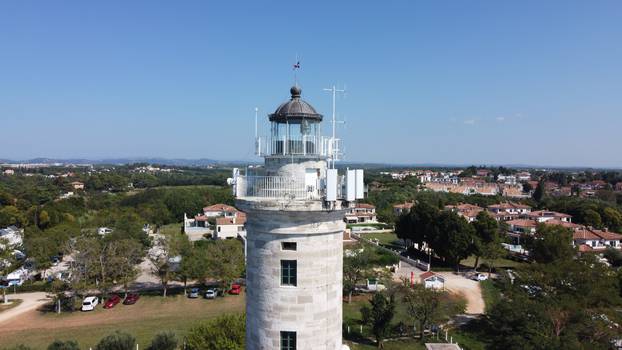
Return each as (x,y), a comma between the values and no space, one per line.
(30,301)
(455,283)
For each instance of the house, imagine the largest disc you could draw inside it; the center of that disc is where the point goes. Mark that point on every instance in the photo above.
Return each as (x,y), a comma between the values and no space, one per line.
(230,227)
(432,280)
(507,179)
(588,239)
(522,226)
(510,208)
(228,222)
(618,186)
(403,208)
(77,185)
(218,210)
(523,176)
(361,213)
(467,211)
(544,215)
(9,172)
(482,172)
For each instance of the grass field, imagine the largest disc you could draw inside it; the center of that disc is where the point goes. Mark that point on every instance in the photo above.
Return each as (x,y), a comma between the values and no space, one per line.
(498,263)
(149,316)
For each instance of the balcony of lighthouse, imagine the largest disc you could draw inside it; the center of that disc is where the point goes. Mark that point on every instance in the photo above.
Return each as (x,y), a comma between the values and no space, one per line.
(330,191)
(298,145)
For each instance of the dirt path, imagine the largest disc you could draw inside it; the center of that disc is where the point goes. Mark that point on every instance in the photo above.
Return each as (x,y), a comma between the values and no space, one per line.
(455,283)
(30,301)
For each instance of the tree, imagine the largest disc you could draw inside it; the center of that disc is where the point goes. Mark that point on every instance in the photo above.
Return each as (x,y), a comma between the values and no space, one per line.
(612,218)
(486,235)
(122,259)
(592,218)
(551,243)
(10,215)
(527,187)
(7,262)
(223,260)
(538,194)
(378,316)
(44,219)
(163,341)
(355,267)
(455,238)
(160,258)
(225,332)
(117,341)
(64,345)
(423,305)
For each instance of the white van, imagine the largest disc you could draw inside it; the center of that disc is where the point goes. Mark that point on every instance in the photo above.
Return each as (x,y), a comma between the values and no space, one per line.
(89,303)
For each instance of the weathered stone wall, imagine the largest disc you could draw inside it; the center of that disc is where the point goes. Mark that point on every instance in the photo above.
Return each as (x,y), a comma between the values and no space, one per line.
(313,308)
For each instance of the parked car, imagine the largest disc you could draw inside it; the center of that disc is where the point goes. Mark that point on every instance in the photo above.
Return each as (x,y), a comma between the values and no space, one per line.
(210,294)
(131,299)
(89,303)
(480,277)
(112,301)
(194,293)
(235,289)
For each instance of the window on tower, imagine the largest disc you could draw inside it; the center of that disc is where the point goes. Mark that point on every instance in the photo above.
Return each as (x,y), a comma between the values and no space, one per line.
(288,340)
(288,246)
(288,272)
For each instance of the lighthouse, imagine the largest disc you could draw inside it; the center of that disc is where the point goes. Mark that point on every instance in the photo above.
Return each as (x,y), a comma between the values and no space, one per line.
(295,206)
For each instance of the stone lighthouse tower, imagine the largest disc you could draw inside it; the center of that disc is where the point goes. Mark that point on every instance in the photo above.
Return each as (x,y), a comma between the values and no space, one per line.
(295,206)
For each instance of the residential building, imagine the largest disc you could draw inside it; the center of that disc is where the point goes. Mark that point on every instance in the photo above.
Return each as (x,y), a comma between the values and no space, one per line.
(510,208)
(230,227)
(432,280)
(219,210)
(467,211)
(544,215)
(523,176)
(522,226)
(8,172)
(403,208)
(361,213)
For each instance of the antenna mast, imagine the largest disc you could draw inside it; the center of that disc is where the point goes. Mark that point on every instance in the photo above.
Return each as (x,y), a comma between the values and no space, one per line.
(257,139)
(333,141)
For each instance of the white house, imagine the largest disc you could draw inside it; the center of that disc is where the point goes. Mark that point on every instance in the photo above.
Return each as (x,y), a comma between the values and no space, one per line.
(361,213)
(230,227)
(219,210)
(510,208)
(432,280)
(545,215)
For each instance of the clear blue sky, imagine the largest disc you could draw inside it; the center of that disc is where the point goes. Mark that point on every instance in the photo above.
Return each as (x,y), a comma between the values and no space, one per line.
(469,82)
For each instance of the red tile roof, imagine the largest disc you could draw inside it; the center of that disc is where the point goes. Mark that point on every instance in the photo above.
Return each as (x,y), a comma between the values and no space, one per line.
(522,223)
(219,207)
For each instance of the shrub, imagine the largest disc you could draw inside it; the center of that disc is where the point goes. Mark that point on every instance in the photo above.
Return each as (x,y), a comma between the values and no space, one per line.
(163,341)
(223,333)
(64,345)
(117,341)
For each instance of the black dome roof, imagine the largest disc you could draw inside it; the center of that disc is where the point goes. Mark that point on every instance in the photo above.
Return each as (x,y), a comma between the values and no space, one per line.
(295,109)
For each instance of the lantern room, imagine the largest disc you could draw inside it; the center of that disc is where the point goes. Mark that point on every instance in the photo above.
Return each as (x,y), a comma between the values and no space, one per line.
(295,128)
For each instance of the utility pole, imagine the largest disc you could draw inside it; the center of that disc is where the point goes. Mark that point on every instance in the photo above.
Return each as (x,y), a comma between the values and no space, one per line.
(333,140)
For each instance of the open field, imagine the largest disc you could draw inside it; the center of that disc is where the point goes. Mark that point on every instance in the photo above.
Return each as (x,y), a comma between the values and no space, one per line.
(149,316)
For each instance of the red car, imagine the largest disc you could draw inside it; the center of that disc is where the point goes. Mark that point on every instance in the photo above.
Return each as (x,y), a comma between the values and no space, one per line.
(235,289)
(131,299)
(112,301)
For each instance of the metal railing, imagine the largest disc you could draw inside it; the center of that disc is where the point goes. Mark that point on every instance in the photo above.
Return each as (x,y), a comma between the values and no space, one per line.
(276,187)
(298,145)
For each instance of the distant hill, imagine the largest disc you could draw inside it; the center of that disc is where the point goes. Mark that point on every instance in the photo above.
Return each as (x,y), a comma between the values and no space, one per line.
(162,161)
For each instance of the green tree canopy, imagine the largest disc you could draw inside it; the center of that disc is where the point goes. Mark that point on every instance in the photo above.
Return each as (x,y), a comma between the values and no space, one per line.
(226,332)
